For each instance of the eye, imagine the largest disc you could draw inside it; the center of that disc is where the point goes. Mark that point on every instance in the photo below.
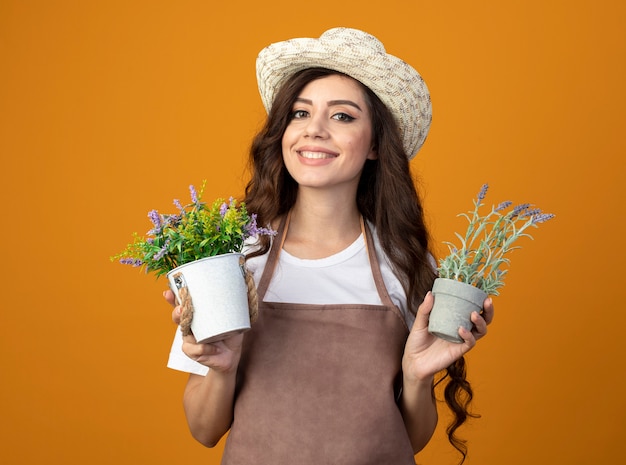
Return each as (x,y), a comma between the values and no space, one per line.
(346,118)
(299,114)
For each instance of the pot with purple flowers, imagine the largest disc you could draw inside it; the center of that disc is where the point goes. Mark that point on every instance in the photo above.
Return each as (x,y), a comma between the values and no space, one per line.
(199,248)
(474,268)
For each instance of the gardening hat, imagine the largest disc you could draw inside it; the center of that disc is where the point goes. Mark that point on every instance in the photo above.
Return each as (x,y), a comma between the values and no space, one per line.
(363,57)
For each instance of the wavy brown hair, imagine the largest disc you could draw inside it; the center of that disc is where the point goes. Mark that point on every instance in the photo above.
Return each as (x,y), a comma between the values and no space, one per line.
(386,196)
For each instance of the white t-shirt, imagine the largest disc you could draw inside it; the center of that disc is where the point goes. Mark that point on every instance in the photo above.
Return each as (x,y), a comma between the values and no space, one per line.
(343,278)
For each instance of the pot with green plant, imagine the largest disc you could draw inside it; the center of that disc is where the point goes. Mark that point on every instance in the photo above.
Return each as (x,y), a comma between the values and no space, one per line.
(474,268)
(199,249)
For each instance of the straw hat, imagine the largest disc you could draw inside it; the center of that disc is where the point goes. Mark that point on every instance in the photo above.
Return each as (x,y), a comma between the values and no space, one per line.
(363,57)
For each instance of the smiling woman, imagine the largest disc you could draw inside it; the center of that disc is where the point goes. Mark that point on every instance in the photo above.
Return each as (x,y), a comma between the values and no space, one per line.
(343,287)
(108,106)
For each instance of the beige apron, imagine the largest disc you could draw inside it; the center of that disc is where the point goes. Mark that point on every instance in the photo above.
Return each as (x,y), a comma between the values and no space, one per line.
(316,382)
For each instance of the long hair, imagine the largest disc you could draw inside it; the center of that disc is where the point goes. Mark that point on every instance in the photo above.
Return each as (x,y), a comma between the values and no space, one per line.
(386,196)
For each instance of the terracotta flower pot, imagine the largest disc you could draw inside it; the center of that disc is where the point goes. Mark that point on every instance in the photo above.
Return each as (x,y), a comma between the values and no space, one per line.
(218,294)
(454,303)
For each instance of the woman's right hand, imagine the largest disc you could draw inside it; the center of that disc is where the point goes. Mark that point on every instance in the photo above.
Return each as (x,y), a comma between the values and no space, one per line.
(222,356)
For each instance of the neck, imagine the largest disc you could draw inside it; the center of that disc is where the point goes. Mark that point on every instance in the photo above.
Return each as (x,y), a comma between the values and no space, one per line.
(322,224)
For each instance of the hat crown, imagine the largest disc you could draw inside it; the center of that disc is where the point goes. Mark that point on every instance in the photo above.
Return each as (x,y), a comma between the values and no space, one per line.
(343,36)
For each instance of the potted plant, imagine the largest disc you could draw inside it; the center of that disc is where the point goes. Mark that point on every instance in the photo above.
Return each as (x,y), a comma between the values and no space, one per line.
(474,269)
(199,249)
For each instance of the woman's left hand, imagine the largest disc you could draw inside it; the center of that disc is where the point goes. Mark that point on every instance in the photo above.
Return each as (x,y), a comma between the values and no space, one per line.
(425,354)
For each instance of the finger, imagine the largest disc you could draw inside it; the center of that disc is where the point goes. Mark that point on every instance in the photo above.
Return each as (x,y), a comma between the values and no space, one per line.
(488,310)
(197,351)
(421,319)
(176,314)
(480,325)
(469,340)
(169,296)
(191,340)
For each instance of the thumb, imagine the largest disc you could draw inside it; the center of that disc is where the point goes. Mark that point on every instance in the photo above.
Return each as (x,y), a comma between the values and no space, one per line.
(423,311)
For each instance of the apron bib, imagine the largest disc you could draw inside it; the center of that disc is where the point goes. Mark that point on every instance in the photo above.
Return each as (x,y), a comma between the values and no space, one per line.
(316,382)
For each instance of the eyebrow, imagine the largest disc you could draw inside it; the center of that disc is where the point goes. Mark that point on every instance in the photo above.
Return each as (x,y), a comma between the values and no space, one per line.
(332,102)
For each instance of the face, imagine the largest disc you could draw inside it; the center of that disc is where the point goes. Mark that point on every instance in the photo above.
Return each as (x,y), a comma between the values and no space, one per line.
(329,136)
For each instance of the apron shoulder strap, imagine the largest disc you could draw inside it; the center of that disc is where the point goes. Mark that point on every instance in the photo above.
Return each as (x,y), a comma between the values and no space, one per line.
(375,265)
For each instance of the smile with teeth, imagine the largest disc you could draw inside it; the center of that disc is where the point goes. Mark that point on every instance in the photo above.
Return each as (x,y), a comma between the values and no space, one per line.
(307,154)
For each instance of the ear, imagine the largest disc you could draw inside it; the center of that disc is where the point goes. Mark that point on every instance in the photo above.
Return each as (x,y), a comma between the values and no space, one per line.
(373,154)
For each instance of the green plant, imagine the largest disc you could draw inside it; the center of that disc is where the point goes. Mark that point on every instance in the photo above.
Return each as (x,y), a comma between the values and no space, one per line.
(481,255)
(196,231)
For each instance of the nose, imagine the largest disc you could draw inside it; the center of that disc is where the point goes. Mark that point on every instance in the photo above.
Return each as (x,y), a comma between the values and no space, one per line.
(316,127)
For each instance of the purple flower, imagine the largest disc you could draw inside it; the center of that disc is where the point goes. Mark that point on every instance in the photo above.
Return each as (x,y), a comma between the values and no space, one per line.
(530,212)
(253,230)
(265,232)
(223,209)
(503,205)
(179,206)
(194,194)
(519,209)
(155,218)
(542,218)
(156,221)
(483,192)
(131,261)
(171,220)
(161,253)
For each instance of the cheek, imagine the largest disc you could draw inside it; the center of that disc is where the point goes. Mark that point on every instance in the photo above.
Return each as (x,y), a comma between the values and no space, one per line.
(286,144)
(285,151)
(361,146)
(288,138)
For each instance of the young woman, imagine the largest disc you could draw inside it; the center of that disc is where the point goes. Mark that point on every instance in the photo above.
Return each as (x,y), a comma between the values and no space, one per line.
(339,368)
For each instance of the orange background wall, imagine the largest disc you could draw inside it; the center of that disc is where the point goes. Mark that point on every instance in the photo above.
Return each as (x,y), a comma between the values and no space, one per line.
(109,109)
